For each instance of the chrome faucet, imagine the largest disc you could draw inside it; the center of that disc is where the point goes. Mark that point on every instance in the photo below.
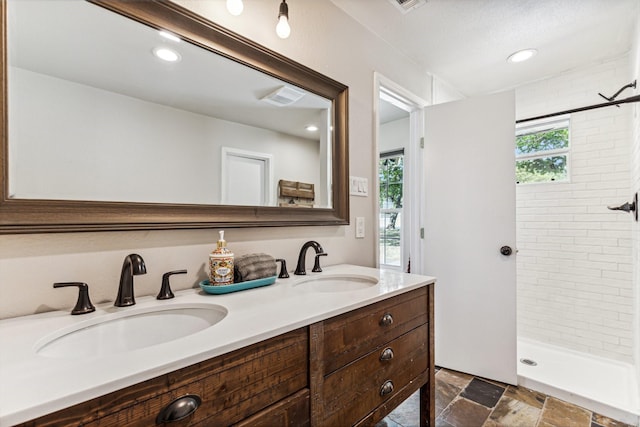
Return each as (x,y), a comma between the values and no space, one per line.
(133,265)
(300,268)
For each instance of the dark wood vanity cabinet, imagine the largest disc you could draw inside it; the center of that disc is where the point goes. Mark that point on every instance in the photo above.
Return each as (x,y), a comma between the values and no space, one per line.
(233,387)
(351,369)
(366,362)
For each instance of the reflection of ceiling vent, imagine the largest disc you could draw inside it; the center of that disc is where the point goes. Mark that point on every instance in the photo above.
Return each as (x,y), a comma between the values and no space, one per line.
(283,96)
(406,6)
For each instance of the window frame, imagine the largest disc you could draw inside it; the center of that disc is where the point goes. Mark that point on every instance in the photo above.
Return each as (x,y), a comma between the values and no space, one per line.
(544,125)
(386,211)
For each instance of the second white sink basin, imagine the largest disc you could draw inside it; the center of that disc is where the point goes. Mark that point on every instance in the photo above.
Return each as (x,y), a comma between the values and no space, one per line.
(337,282)
(130,329)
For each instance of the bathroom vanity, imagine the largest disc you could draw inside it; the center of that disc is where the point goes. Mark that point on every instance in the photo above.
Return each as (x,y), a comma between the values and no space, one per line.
(296,353)
(340,347)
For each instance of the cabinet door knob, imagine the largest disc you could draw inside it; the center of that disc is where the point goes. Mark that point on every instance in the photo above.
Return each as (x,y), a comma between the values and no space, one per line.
(179,409)
(386,320)
(386,388)
(387,354)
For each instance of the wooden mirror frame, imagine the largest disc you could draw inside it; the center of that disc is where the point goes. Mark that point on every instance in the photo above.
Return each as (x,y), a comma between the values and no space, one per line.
(42,216)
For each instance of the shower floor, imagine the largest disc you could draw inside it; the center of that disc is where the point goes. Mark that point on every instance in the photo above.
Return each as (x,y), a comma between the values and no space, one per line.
(602,385)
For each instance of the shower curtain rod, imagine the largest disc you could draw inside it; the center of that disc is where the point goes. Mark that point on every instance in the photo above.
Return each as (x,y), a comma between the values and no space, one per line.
(635,98)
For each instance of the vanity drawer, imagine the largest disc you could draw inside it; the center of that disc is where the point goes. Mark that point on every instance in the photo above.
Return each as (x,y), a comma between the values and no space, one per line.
(290,412)
(350,393)
(354,334)
(232,387)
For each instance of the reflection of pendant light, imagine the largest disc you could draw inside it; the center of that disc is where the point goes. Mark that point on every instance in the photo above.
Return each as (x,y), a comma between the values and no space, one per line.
(283,29)
(235,7)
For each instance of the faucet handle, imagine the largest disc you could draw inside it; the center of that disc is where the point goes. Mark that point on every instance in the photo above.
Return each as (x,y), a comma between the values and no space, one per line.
(83,305)
(165,289)
(316,265)
(284,274)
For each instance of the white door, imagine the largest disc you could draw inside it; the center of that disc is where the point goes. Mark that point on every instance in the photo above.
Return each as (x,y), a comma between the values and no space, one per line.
(469,210)
(246,178)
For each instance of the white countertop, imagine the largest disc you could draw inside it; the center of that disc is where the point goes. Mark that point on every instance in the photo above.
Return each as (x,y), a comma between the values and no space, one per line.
(32,385)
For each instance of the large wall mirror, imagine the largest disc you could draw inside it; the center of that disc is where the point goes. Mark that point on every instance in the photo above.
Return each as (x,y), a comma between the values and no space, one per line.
(121,114)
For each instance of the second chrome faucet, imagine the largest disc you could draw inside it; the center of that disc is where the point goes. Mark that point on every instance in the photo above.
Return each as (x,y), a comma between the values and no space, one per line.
(133,265)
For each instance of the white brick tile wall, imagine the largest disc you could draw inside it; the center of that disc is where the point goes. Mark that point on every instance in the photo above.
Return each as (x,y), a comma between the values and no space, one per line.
(575,260)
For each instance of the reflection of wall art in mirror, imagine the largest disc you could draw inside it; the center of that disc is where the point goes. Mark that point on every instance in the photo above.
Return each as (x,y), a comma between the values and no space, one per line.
(125,140)
(296,194)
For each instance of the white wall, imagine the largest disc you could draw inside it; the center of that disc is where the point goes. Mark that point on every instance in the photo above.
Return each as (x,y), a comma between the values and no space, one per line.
(394,135)
(110,141)
(444,92)
(322,38)
(575,261)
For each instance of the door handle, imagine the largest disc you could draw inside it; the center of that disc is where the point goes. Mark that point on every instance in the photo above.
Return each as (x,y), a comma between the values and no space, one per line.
(506,250)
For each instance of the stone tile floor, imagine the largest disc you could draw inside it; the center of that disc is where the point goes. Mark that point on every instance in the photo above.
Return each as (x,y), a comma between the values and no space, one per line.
(463,400)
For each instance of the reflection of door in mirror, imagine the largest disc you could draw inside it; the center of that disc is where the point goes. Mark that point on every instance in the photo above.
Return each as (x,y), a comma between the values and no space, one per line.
(126,126)
(247,178)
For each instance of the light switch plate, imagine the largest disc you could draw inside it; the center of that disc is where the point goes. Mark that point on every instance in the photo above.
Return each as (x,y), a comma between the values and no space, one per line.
(358,186)
(360,227)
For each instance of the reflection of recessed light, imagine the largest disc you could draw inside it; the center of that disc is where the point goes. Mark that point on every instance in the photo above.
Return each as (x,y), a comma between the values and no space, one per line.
(235,7)
(311,128)
(166,54)
(167,35)
(522,55)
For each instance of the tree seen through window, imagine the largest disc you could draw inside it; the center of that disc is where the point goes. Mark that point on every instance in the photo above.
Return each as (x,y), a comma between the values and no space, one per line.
(542,152)
(391,175)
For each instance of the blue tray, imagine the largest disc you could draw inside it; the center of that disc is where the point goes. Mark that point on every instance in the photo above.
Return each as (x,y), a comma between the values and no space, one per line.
(225,289)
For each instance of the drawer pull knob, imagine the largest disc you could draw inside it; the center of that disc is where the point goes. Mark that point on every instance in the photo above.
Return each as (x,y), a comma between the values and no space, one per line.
(179,409)
(386,388)
(386,320)
(387,354)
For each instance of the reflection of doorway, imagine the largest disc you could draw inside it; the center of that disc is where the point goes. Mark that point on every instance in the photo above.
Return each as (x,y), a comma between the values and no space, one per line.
(247,178)
(399,129)
(390,200)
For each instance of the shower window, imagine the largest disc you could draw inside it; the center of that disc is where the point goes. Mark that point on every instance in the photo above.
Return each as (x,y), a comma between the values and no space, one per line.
(542,151)
(391,178)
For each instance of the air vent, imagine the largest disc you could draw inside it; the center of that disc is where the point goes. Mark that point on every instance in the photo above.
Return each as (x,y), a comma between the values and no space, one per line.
(405,6)
(283,96)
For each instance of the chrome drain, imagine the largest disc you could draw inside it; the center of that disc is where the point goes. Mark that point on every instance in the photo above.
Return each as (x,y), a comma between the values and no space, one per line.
(529,362)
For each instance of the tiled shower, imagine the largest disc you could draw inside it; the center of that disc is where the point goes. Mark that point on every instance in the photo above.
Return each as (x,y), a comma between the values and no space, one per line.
(576,259)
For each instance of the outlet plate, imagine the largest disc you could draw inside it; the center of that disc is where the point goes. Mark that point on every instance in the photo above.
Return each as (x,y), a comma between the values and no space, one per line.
(360,227)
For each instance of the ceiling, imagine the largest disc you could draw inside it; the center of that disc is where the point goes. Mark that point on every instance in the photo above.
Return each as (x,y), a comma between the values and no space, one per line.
(465,43)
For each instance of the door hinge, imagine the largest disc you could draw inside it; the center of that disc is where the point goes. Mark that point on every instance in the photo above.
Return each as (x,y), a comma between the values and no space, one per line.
(422,142)
(422,233)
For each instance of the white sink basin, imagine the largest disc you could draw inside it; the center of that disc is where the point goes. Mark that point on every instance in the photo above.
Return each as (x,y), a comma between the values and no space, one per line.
(130,329)
(337,282)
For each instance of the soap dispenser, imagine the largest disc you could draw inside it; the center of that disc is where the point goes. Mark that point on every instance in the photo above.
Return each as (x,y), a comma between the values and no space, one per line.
(221,264)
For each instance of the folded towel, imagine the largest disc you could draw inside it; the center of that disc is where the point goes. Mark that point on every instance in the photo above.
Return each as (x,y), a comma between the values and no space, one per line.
(253,267)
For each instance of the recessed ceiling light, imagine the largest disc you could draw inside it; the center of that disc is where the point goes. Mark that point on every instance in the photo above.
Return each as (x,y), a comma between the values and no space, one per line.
(311,128)
(167,35)
(166,54)
(522,55)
